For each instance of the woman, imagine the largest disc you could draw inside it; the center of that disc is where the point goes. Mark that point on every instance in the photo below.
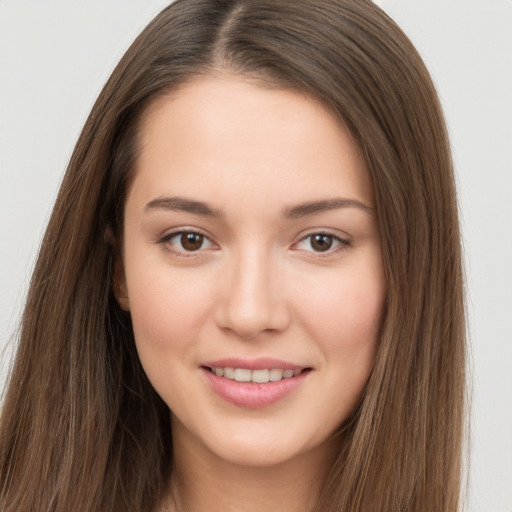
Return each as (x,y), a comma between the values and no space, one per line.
(257,232)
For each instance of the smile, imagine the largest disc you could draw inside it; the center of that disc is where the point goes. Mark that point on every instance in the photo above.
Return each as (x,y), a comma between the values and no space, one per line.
(254,384)
(261,376)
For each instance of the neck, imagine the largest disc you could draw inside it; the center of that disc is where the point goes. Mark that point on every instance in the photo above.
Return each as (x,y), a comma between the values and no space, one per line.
(205,482)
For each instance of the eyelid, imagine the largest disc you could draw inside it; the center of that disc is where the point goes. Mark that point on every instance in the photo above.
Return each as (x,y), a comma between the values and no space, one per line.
(165,239)
(342,242)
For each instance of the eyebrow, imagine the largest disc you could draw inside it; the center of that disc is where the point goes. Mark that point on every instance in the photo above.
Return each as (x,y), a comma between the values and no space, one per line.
(184,205)
(290,212)
(314,207)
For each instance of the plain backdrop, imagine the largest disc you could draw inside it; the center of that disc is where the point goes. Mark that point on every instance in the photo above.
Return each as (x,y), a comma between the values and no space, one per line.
(55,56)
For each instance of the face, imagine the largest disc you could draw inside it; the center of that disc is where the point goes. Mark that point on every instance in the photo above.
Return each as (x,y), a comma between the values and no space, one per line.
(252,269)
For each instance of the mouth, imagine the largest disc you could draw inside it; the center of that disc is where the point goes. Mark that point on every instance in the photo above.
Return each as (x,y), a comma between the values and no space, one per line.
(259,376)
(254,384)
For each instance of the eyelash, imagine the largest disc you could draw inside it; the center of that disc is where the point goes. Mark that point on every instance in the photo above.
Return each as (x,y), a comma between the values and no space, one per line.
(340,244)
(165,241)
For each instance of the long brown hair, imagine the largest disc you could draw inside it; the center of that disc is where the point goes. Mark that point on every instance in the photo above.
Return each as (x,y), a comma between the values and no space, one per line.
(82,428)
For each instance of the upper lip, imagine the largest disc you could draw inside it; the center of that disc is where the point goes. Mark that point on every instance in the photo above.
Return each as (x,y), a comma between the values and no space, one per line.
(261,363)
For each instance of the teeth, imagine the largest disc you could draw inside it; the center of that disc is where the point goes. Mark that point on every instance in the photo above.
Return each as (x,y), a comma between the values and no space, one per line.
(229,373)
(275,374)
(258,376)
(242,375)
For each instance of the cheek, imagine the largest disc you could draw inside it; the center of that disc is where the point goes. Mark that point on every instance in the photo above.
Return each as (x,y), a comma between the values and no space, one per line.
(346,313)
(348,335)
(168,312)
(167,309)
(344,317)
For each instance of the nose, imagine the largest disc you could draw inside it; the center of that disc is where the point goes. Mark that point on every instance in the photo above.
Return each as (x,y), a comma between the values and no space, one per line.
(252,299)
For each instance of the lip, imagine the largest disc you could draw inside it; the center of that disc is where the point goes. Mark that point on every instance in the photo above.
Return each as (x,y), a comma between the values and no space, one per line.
(252,395)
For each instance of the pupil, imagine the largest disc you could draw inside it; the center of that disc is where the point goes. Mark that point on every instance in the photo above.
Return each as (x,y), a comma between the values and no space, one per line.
(191,241)
(321,243)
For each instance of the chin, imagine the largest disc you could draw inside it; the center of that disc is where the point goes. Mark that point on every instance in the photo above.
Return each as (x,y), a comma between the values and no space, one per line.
(266,445)
(256,455)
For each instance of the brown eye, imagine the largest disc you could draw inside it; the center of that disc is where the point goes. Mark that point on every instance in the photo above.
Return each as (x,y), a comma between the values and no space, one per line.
(187,243)
(191,241)
(321,243)
(183,243)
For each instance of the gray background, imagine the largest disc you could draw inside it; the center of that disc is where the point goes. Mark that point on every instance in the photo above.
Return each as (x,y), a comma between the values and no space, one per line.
(55,55)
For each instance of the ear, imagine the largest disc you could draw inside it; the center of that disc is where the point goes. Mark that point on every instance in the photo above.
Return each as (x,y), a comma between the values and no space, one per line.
(119,285)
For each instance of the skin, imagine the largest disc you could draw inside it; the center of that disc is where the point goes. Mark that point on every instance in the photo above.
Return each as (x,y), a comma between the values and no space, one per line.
(255,287)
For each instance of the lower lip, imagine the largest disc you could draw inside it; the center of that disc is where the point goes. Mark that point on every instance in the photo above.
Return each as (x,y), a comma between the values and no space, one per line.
(251,394)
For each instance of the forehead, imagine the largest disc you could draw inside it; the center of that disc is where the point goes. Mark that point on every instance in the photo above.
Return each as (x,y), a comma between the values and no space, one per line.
(227,135)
